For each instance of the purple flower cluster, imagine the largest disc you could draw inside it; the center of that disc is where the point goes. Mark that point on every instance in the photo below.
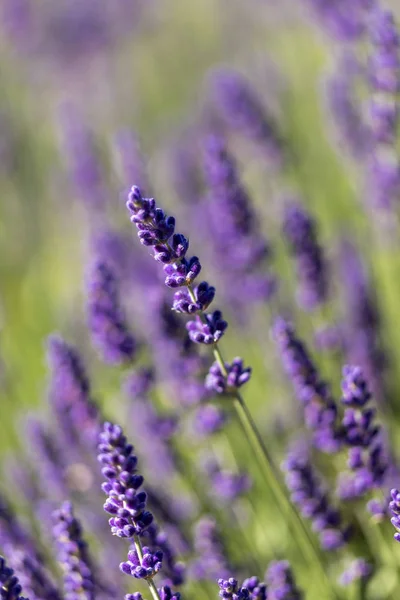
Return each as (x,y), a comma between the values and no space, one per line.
(362,323)
(77,414)
(300,231)
(281,583)
(394,507)
(257,589)
(312,498)
(319,407)
(226,485)
(384,75)
(10,588)
(73,555)
(142,567)
(367,459)
(241,109)
(352,130)
(106,320)
(343,21)
(358,569)
(157,230)
(229,590)
(125,503)
(243,253)
(236,376)
(211,560)
(173,572)
(34,577)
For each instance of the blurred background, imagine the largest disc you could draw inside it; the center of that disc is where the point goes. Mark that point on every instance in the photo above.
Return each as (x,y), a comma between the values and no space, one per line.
(97,96)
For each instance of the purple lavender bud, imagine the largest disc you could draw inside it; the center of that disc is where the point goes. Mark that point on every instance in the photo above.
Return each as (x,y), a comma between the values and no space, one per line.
(124,502)
(51,463)
(367,458)
(135,596)
(211,558)
(358,569)
(76,412)
(106,320)
(81,155)
(144,568)
(229,590)
(311,496)
(243,253)
(226,485)
(10,588)
(173,572)
(167,594)
(378,509)
(209,419)
(281,583)
(300,231)
(238,104)
(384,70)
(344,22)
(236,376)
(139,383)
(354,387)
(204,295)
(257,588)
(320,410)
(394,508)
(208,332)
(352,130)
(73,555)
(34,578)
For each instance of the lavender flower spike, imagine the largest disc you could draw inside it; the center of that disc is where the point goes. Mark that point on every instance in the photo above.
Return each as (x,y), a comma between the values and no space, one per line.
(105,317)
(309,494)
(300,231)
(384,68)
(319,407)
(366,457)
(229,590)
(125,503)
(281,583)
(242,110)
(394,507)
(157,230)
(10,588)
(236,376)
(73,555)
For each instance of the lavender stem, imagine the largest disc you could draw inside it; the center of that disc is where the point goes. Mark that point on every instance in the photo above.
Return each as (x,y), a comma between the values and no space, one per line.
(139,549)
(266,464)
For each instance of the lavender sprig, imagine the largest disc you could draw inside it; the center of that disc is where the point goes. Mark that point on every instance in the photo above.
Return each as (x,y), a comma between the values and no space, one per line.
(319,407)
(384,68)
(10,588)
(281,583)
(394,507)
(106,320)
(73,555)
(309,493)
(367,460)
(157,230)
(300,231)
(242,110)
(126,504)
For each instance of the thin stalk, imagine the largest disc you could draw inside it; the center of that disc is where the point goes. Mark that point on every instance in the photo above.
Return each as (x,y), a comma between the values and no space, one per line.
(152,586)
(268,469)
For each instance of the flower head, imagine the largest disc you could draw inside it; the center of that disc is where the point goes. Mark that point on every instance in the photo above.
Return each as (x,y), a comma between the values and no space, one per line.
(125,503)
(10,587)
(73,555)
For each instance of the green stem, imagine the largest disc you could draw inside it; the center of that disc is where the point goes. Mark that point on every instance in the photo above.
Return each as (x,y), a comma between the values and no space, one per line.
(152,586)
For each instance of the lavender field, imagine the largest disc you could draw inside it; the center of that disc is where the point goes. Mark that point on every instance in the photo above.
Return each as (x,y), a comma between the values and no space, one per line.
(199,300)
